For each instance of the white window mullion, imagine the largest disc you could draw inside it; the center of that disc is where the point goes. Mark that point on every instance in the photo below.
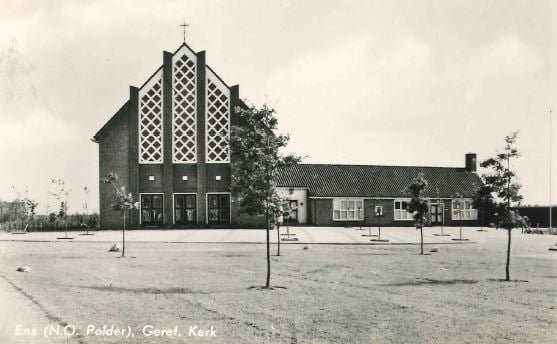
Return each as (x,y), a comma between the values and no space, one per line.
(217,120)
(150,136)
(184,107)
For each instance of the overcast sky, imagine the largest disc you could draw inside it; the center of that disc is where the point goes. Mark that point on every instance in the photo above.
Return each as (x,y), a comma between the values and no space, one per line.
(370,82)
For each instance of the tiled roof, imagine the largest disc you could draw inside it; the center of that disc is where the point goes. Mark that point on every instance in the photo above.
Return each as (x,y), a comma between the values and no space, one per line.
(325,180)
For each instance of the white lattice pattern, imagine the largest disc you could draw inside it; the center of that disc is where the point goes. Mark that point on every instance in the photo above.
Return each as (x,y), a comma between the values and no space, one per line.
(184,110)
(218,121)
(150,121)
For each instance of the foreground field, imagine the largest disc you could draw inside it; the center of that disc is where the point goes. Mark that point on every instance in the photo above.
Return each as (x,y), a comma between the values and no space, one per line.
(332,294)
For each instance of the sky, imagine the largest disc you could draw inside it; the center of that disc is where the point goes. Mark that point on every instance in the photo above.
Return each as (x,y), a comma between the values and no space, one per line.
(415,82)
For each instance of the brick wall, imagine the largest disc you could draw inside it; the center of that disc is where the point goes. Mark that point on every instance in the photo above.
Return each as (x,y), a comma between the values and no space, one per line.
(113,157)
(214,170)
(146,185)
(180,185)
(321,214)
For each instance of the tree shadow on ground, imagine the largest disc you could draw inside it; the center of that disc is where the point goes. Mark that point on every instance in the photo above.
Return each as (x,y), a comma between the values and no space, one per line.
(144,290)
(428,281)
(504,280)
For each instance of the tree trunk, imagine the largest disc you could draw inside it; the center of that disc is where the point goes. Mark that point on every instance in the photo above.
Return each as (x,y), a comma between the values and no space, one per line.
(268,281)
(507,268)
(421,240)
(124,236)
(278,240)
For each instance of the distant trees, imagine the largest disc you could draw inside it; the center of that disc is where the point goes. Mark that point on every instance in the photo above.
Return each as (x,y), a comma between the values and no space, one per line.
(123,202)
(418,205)
(257,156)
(501,182)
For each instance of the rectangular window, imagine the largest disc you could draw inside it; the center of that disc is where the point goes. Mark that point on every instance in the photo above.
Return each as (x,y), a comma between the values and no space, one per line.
(401,211)
(348,209)
(463,210)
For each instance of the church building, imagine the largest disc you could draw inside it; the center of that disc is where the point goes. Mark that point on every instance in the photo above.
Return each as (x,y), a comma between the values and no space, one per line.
(168,143)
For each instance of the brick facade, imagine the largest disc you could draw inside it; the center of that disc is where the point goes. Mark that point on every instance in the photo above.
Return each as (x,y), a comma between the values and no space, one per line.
(119,152)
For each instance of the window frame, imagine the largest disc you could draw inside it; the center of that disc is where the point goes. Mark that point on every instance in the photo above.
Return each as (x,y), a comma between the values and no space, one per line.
(467,214)
(408,216)
(358,214)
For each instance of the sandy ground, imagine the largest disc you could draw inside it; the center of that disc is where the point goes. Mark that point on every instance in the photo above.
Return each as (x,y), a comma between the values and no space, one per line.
(333,293)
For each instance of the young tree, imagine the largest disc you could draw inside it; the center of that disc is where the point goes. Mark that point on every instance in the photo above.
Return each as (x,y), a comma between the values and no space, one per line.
(418,205)
(458,209)
(256,158)
(85,221)
(501,182)
(123,202)
(61,195)
(483,201)
(29,208)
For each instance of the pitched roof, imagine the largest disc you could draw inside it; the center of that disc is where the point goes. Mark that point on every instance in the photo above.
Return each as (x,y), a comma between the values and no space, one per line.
(326,180)
(122,110)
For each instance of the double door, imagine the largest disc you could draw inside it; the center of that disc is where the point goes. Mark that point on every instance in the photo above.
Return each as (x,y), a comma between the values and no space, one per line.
(151,209)
(185,209)
(218,209)
(436,213)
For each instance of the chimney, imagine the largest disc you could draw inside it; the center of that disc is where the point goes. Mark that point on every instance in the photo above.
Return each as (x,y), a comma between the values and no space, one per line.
(470,162)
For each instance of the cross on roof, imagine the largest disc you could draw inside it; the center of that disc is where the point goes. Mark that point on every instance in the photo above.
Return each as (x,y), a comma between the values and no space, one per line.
(184,25)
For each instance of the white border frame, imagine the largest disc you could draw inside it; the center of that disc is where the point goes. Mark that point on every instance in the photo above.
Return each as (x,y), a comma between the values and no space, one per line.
(173,205)
(150,193)
(207,205)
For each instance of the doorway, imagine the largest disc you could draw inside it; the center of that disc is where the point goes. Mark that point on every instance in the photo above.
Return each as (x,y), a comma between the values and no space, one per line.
(292,217)
(151,209)
(436,212)
(218,209)
(185,209)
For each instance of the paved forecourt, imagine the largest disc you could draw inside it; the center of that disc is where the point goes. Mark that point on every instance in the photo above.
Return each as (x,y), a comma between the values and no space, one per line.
(305,235)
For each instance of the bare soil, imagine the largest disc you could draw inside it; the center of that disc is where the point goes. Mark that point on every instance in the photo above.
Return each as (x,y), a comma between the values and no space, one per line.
(326,294)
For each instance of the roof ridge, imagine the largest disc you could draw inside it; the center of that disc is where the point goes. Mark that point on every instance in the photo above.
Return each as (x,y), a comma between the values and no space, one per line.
(375,165)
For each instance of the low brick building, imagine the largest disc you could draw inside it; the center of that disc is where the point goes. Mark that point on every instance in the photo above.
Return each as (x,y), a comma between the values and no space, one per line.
(169,145)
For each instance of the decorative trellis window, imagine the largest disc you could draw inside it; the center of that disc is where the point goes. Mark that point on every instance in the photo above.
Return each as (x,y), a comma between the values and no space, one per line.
(150,121)
(217,120)
(463,209)
(401,211)
(184,123)
(348,209)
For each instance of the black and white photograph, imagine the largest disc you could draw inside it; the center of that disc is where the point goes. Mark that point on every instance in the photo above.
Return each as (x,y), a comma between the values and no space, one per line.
(278,171)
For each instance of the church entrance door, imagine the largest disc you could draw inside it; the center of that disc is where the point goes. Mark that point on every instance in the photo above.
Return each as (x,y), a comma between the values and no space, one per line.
(218,209)
(151,209)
